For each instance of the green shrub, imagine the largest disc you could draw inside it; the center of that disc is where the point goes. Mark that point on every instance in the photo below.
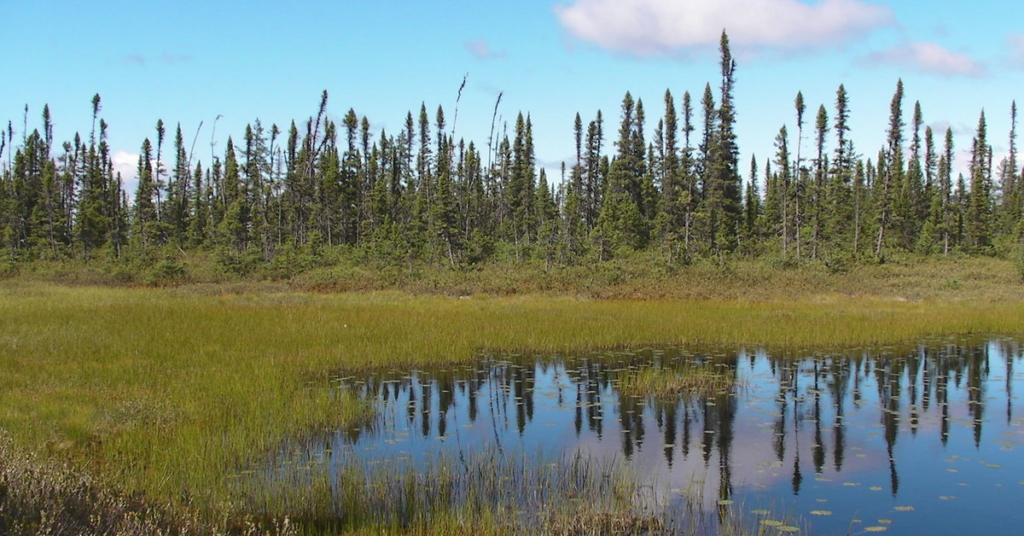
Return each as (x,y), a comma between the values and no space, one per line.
(164,272)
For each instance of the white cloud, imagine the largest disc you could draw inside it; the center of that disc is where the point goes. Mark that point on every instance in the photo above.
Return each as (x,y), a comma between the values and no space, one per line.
(1016,45)
(127,164)
(927,57)
(668,27)
(481,50)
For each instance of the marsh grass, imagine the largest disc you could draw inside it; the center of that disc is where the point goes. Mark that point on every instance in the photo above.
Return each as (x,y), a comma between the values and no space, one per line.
(664,382)
(529,490)
(53,498)
(167,393)
(492,492)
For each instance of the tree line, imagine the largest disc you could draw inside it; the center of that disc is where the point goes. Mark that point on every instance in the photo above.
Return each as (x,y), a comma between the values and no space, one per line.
(422,195)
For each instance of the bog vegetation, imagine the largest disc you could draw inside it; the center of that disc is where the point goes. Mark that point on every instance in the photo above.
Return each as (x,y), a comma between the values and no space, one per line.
(285,199)
(167,396)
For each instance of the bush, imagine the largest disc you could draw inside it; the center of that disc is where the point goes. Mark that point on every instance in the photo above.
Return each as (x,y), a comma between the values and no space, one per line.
(239,263)
(165,272)
(8,269)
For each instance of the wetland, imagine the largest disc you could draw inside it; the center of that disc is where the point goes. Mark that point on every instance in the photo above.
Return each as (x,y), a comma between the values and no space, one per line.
(215,411)
(907,439)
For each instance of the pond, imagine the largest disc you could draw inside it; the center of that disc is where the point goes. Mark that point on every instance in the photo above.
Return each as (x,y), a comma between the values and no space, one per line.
(923,439)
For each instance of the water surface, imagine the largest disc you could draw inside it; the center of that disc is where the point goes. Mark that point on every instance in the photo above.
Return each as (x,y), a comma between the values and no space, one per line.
(923,439)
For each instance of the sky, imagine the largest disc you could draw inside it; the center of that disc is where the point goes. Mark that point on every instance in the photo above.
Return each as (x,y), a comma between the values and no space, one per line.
(189,62)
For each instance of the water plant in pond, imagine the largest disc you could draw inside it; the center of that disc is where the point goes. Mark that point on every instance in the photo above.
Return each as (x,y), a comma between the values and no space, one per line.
(661,382)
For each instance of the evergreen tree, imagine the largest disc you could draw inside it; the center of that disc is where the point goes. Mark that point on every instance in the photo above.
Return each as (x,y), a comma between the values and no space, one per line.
(726,199)
(198,219)
(145,210)
(620,224)
(93,218)
(893,167)
(178,187)
(574,200)
(799,186)
(861,189)
(778,195)
(546,211)
(948,219)
(978,217)
(839,210)
(234,227)
(521,187)
(818,197)
(1010,182)
(593,177)
(673,213)
(751,205)
(158,172)
(931,230)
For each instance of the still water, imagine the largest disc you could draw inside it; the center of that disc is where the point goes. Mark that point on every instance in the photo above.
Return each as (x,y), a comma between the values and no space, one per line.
(922,439)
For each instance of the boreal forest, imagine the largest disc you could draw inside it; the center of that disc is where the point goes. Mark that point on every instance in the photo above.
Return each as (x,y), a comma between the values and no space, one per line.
(664,179)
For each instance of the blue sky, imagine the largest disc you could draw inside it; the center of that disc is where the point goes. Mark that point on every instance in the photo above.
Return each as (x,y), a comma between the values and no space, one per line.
(190,61)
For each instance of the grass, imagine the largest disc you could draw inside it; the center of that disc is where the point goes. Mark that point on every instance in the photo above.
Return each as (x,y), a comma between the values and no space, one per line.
(54,498)
(663,382)
(642,276)
(164,393)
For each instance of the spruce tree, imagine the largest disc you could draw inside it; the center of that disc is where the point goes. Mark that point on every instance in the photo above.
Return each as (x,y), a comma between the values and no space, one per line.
(779,196)
(726,163)
(948,219)
(978,217)
(1010,181)
(839,210)
(145,211)
(893,168)
(819,197)
(752,205)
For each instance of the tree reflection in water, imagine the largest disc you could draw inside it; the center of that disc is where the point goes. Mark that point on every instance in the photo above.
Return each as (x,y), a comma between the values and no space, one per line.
(902,412)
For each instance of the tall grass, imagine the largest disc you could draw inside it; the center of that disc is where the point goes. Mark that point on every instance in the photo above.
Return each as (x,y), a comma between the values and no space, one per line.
(169,392)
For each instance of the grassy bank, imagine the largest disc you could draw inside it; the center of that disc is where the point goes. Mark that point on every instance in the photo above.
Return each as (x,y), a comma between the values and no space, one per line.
(168,393)
(643,276)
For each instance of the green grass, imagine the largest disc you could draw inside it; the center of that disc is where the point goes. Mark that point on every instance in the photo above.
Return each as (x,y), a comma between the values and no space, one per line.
(167,393)
(663,382)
